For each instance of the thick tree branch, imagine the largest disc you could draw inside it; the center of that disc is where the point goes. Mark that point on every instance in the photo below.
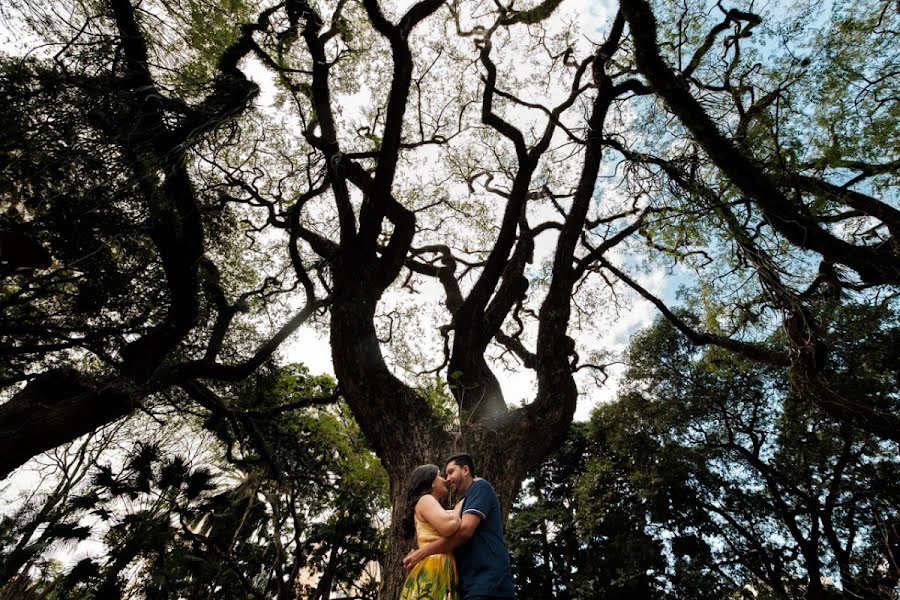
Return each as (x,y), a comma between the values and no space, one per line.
(204,369)
(57,407)
(793,221)
(379,202)
(515,345)
(863,203)
(514,284)
(488,116)
(446,273)
(176,227)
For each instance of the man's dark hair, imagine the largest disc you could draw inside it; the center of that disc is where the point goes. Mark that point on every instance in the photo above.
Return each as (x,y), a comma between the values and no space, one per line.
(463,460)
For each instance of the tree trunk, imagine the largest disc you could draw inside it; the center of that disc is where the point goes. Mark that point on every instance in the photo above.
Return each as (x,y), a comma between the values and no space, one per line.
(402,430)
(392,572)
(504,466)
(326,582)
(400,427)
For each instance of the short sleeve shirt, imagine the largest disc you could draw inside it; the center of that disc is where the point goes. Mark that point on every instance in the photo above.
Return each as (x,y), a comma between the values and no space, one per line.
(483,561)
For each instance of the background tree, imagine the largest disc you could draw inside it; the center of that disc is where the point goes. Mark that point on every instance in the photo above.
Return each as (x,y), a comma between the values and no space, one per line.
(41,518)
(709,478)
(303,517)
(590,543)
(745,474)
(547,556)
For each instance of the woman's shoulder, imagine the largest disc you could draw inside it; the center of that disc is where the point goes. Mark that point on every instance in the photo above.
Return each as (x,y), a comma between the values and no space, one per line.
(427,500)
(424,503)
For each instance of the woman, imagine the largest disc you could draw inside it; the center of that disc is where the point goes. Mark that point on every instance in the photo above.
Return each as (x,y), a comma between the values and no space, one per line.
(434,578)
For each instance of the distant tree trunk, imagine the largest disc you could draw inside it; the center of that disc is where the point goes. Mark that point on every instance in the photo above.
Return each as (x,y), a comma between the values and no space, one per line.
(326,582)
(19,588)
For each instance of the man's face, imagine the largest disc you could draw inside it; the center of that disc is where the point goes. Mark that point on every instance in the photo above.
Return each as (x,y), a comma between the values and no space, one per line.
(458,478)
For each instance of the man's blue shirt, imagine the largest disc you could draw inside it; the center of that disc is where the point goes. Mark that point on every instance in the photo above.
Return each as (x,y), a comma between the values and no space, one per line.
(483,561)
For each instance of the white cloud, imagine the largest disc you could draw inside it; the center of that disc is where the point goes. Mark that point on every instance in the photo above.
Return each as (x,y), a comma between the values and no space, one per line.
(311,347)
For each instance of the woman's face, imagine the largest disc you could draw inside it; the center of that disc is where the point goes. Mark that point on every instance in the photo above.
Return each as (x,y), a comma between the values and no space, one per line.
(439,487)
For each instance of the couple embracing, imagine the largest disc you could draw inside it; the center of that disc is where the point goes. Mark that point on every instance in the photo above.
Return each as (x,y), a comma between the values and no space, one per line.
(461,553)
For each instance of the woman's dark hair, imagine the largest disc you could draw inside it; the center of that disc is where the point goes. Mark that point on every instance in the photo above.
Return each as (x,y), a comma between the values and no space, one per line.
(420,482)
(463,460)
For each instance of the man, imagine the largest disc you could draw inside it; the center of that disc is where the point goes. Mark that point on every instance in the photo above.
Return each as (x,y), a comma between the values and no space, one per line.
(478,545)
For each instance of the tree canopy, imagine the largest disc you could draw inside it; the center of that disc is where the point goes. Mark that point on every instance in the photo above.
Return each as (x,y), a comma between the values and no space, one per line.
(709,478)
(296,512)
(450,189)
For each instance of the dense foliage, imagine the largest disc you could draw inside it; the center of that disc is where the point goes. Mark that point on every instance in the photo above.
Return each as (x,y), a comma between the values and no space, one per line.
(708,478)
(253,510)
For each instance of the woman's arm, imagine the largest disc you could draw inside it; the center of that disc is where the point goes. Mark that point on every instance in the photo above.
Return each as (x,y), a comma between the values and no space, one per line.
(443,545)
(445,522)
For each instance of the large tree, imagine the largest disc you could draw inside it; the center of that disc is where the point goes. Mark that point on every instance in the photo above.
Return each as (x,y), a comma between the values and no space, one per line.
(753,486)
(708,478)
(197,223)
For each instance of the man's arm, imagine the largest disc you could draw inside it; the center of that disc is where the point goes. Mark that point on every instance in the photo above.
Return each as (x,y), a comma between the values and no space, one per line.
(470,522)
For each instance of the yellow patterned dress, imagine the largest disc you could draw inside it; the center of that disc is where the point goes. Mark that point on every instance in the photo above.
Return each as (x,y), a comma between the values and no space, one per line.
(435,577)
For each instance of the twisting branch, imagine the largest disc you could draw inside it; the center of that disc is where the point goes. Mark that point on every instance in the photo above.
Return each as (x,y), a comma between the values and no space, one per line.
(858,201)
(379,202)
(324,116)
(809,351)
(488,116)
(757,352)
(586,261)
(732,16)
(557,393)
(789,218)
(205,369)
(515,345)
(446,273)
(175,224)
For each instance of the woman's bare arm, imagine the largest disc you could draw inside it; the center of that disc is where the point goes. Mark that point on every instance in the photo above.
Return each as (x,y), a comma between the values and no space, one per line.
(467,527)
(429,510)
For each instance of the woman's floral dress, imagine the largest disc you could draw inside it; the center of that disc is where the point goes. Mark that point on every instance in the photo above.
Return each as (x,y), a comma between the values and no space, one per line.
(435,577)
